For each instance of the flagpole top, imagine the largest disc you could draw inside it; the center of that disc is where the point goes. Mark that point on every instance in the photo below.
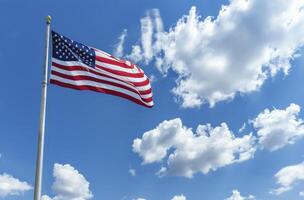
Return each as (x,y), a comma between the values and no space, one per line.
(48,19)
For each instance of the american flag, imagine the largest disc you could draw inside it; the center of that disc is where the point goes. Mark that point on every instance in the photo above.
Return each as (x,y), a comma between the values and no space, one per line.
(77,66)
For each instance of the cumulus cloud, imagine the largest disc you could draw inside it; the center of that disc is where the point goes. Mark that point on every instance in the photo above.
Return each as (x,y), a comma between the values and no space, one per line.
(12,186)
(69,184)
(287,177)
(119,47)
(236,195)
(179,197)
(207,149)
(216,58)
(46,197)
(277,128)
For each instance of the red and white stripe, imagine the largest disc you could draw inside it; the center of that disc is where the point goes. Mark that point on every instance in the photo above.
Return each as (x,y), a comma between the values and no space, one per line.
(110,76)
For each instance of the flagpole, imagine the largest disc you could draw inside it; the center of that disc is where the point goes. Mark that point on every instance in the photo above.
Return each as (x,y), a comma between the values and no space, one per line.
(39,161)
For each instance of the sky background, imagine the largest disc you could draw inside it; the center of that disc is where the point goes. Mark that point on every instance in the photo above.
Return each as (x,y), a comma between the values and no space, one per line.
(94,132)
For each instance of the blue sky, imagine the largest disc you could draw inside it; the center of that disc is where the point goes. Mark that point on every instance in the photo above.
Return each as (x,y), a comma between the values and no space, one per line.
(94,132)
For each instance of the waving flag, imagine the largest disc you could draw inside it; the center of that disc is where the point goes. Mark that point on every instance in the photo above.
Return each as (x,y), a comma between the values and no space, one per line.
(77,66)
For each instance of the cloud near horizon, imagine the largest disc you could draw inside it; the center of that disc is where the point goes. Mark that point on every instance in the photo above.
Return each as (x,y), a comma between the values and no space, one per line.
(179,197)
(10,186)
(69,184)
(236,195)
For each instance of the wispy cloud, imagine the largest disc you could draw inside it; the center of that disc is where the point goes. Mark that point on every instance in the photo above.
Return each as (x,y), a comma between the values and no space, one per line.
(119,47)
(132,172)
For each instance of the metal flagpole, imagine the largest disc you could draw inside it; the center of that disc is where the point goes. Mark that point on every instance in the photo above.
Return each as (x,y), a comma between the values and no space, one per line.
(39,161)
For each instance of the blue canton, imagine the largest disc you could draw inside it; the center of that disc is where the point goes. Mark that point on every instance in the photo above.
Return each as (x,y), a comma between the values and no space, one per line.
(65,49)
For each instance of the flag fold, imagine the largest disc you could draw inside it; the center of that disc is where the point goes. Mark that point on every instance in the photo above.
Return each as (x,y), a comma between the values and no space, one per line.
(77,66)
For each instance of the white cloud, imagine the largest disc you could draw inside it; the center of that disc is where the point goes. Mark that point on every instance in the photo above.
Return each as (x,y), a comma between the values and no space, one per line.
(69,184)
(46,197)
(277,128)
(119,47)
(139,199)
(301,193)
(136,54)
(132,172)
(287,177)
(207,149)
(235,52)
(146,37)
(151,25)
(236,195)
(179,197)
(242,128)
(12,186)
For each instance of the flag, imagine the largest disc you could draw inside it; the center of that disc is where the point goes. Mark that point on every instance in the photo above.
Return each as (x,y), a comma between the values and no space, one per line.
(77,66)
